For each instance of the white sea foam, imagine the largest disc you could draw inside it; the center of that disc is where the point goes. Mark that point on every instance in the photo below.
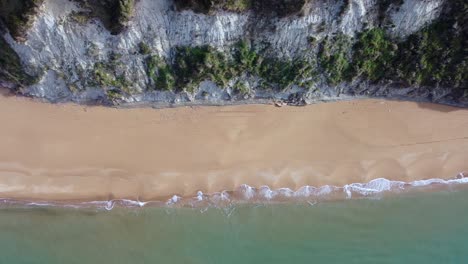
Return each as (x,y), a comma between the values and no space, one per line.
(304,191)
(128,202)
(39,204)
(372,187)
(246,193)
(325,190)
(220,197)
(174,199)
(266,192)
(200,196)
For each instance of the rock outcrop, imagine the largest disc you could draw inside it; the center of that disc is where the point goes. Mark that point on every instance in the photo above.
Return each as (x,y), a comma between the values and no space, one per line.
(222,51)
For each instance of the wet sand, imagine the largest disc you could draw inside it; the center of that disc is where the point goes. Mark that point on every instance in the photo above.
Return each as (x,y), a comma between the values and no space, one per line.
(67,152)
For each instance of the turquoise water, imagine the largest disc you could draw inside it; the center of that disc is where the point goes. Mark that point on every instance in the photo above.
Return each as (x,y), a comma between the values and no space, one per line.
(413,228)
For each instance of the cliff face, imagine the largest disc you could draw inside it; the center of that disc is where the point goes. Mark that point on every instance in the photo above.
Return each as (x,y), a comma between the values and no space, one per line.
(161,50)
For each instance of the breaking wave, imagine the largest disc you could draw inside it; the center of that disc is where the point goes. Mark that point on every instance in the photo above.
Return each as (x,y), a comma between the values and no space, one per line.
(376,188)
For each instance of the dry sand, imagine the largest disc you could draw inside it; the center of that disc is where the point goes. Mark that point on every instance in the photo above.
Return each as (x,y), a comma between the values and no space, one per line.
(61,152)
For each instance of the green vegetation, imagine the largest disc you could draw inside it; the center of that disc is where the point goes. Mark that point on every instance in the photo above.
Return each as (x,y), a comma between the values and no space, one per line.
(279,8)
(114,94)
(437,54)
(18,15)
(246,59)
(105,74)
(275,72)
(434,56)
(160,74)
(208,6)
(195,64)
(10,66)
(114,14)
(236,5)
(192,65)
(241,88)
(144,49)
(384,5)
(125,11)
(285,73)
(79,17)
(334,58)
(312,40)
(199,6)
(373,55)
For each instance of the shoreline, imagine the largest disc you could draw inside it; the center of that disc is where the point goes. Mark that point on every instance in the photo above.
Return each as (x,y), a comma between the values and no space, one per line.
(43,155)
(245,195)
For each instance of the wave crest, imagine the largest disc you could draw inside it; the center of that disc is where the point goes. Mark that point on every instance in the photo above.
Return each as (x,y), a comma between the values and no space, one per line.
(263,194)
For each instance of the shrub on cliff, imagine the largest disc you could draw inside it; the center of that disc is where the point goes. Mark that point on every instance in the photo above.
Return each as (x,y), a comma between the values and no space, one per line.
(374,54)
(18,15)
(437,54)
(10,66)
(209,6)
(334,58)
(114,14)
(160,74)
(195,64)
(279,8)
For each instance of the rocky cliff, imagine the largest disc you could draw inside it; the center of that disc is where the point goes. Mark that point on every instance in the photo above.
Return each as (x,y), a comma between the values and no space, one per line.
(221,51)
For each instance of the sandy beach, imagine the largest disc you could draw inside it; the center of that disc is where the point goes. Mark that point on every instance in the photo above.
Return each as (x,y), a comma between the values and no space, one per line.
(67,151)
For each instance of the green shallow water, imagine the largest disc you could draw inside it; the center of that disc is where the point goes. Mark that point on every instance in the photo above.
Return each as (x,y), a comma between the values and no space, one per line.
(414,228)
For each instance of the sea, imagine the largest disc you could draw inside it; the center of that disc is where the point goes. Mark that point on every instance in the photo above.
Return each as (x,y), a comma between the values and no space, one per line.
(421,226)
